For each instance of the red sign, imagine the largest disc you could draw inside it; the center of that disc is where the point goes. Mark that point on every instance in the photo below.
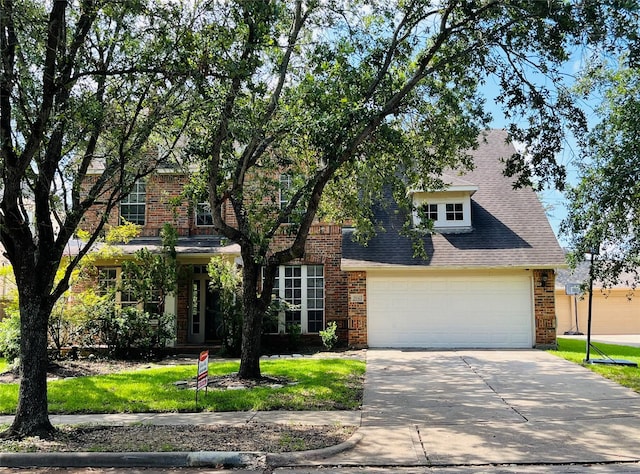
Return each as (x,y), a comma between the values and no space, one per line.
(203,370)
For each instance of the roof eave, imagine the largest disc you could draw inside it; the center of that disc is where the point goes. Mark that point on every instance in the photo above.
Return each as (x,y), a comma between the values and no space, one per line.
(362,266)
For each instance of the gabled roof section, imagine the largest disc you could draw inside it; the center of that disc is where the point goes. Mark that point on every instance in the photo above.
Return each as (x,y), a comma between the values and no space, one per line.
(452,182)
(509,226)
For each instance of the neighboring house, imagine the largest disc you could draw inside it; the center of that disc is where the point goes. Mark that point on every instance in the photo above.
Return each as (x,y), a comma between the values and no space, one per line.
(614,310)
(489,281)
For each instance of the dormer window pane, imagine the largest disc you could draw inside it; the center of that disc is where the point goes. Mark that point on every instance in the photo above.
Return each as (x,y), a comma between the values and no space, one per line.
(432,211)
(454,212)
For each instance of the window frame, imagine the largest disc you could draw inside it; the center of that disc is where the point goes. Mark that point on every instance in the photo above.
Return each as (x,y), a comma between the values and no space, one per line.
(431,210)
(312,298)
(208,216)
(454,211)
(137,198)
(110,283)
(284,189)
(122,298)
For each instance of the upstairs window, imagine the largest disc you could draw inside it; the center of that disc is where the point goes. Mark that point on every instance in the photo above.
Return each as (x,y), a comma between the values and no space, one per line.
(203,214)
(132,207)
(448,212)
(285,190)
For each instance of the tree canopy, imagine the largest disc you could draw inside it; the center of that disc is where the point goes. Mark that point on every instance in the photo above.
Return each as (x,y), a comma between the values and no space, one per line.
(604,206)
(81,92)
(338,102)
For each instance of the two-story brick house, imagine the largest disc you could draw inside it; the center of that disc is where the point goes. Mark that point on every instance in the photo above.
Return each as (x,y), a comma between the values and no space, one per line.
(488,282)
(314,283)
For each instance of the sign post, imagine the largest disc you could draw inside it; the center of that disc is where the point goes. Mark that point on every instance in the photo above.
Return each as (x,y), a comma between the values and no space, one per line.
(574,289)
(202,380)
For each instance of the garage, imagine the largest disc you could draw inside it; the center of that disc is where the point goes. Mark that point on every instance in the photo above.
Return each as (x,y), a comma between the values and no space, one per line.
(450,309)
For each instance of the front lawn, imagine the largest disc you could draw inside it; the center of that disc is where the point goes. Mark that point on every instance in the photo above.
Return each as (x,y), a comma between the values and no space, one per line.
(320,384)
(575,351)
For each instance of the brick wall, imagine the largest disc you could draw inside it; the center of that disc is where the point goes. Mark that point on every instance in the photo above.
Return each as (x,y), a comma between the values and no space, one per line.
(96,213)
(182,310)
(161,207)
(544,308)
(357,304)
(161,190)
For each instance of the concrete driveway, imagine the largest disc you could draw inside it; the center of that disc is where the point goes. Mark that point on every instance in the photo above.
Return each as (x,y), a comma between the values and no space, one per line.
(490,407)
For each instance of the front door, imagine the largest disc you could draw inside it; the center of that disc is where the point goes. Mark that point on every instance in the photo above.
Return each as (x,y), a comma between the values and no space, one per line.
(205,320)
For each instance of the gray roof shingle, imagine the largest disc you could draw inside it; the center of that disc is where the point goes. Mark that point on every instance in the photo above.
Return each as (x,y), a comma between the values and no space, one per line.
(510,228)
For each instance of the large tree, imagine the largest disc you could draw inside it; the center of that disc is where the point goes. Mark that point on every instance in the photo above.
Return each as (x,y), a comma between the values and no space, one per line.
(80,93)
(604,205)
(344,100)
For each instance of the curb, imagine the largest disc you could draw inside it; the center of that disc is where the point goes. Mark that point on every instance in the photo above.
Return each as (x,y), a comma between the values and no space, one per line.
(138,459)
(172,459)
(296,458)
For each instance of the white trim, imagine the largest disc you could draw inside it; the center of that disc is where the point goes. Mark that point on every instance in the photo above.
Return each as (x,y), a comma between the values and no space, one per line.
(304,296)
(441,200)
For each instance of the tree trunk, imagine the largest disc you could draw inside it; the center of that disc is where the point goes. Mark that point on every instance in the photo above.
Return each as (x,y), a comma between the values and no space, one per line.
(250,352)
(251,324)
(32,413)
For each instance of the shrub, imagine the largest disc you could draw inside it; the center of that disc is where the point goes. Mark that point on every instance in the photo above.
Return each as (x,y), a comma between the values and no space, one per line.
(130,332)
(329,336)
(10,337)
(294,334)
(69,317)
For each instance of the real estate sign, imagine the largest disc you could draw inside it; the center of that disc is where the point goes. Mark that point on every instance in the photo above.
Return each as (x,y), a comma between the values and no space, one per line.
(203,370)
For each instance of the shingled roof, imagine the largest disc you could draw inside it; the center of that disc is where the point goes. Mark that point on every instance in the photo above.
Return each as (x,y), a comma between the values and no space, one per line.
(509,226)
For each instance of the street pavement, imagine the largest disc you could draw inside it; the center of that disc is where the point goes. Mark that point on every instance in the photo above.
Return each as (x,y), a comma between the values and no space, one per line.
(450,411)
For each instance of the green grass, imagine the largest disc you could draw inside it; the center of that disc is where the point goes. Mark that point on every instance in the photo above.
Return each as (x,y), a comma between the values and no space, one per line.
(4,366)
(575,351)
(322,384)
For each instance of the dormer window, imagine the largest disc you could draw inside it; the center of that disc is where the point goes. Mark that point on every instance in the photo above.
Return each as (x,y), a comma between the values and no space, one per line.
(449,209)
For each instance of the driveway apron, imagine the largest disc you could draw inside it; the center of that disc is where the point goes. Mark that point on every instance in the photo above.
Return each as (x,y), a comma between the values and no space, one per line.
(477,407)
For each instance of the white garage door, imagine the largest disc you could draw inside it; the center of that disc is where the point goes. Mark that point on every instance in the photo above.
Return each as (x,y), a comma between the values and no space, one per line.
(450,311)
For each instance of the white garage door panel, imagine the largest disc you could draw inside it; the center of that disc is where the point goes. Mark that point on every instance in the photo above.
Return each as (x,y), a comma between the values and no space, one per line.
(418,311)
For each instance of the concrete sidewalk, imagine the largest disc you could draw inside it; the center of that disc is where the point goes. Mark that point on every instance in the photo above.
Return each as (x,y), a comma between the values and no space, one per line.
(351,418)
(490,408)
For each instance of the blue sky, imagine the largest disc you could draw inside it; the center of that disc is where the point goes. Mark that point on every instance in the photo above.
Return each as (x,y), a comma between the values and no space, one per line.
(552,199)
